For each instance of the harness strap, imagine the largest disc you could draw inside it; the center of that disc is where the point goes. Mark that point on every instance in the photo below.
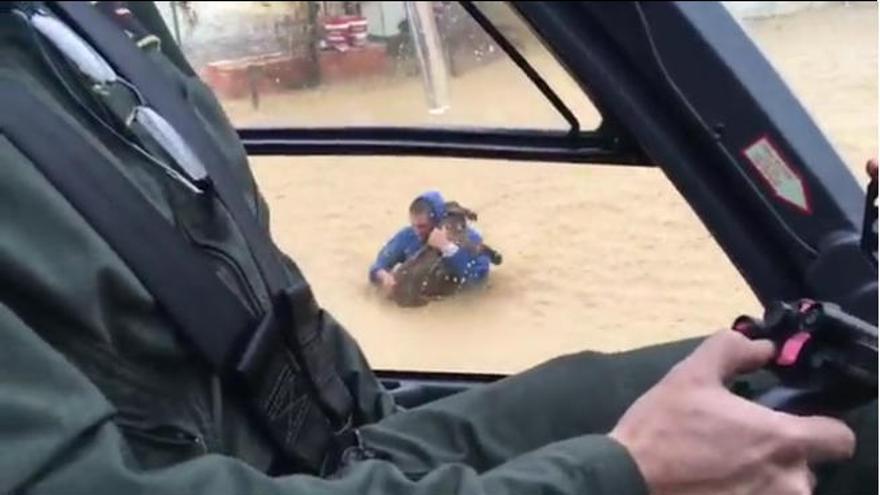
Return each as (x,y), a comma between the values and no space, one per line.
(286,367)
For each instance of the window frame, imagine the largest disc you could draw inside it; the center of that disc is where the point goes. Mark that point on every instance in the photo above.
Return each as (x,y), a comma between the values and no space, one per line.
(681,125)
(606,144)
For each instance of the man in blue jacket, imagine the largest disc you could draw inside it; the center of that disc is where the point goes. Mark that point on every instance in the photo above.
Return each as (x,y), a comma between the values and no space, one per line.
(425,214)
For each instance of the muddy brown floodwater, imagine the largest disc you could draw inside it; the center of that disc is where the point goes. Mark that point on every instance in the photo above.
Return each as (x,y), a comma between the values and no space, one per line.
(595,257)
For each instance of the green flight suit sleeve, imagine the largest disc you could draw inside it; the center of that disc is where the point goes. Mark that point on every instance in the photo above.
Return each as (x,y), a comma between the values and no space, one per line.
(58,437)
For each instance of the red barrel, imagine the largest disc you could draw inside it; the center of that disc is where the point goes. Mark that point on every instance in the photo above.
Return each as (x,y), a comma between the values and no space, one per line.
(336,31)
(357,31)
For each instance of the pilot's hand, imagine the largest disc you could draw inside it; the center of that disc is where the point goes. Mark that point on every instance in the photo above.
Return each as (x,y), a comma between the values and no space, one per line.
(439,239)
(690,436)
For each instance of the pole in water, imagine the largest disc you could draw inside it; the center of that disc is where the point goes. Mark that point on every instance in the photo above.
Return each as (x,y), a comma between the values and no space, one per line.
(428,48)
(176,24)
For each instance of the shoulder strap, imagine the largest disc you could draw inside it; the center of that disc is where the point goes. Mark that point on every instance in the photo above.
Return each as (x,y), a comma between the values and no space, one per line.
(109,40)
(184,282)
(160,93)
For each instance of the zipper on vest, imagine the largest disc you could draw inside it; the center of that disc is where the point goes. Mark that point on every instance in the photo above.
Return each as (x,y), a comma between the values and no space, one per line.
(252,302)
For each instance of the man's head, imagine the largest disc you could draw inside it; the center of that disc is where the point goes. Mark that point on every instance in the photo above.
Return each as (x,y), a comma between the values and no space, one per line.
(422,217)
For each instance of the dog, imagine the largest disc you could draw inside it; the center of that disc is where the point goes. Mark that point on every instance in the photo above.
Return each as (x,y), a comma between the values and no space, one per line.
(424,277)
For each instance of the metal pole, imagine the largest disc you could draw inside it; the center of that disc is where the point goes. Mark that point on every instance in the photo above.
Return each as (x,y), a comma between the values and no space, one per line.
(176,24)
(429,50)
(314,56)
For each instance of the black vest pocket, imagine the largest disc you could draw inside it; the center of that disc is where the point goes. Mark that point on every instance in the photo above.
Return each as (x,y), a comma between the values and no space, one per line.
(156,444)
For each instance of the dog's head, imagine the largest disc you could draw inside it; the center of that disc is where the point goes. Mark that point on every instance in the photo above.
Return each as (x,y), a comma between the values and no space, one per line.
(456,219)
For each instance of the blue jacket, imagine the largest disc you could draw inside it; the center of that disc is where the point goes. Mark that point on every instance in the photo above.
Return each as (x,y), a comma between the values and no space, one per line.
(406,243)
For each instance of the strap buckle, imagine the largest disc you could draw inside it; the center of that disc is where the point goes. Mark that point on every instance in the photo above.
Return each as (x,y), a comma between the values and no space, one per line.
(348,448)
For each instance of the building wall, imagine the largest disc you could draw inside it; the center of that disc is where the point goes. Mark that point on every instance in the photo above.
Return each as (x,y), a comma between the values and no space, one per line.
(383,17)
(228,30)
